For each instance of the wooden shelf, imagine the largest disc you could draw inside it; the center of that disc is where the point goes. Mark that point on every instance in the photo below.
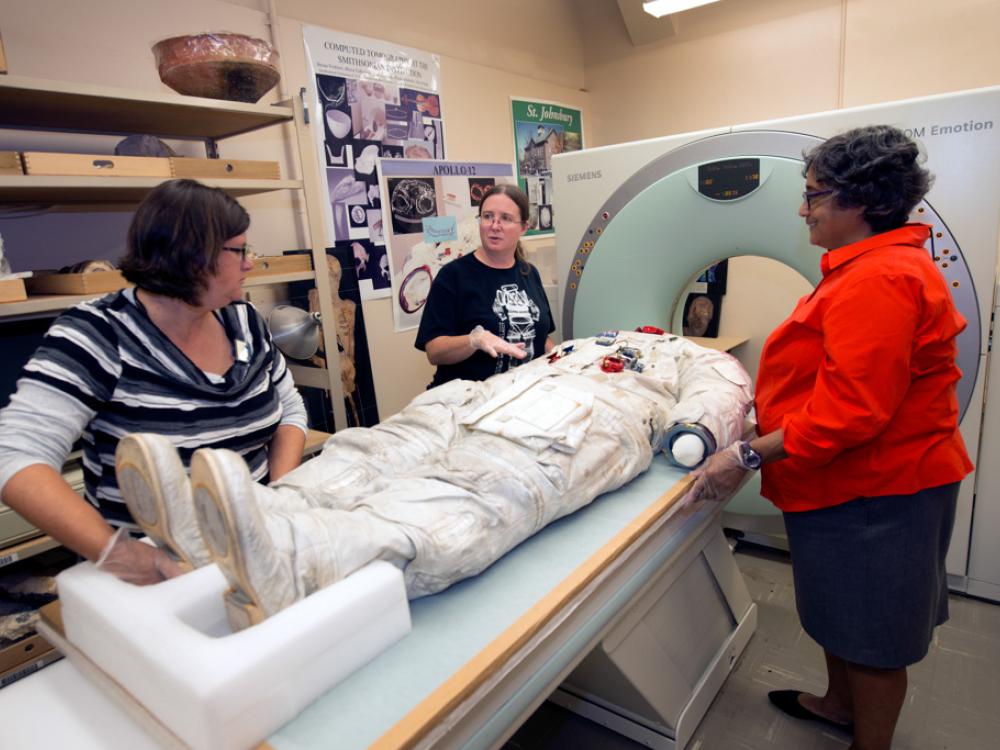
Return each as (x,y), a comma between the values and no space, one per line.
(39,104)
(54,303)
(23,550)
(110,190)
(267,279)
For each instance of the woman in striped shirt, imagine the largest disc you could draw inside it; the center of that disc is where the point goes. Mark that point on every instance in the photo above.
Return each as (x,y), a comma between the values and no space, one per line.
(179,354)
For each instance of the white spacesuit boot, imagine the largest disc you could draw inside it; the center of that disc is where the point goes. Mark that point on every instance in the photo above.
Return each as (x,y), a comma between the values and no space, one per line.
(155,488)
(272,554)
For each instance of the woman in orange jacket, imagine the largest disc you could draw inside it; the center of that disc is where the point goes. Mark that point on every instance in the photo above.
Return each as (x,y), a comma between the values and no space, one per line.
(858,433)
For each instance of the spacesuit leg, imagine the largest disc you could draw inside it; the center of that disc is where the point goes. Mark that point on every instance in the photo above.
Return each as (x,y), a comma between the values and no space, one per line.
(357,462)
(272,556)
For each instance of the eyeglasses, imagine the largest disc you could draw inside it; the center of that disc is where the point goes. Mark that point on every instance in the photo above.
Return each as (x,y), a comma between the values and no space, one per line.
(506,220)
(244,250)
(808,195)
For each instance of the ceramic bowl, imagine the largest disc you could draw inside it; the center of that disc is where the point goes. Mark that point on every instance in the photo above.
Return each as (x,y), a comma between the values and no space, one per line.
(236,67)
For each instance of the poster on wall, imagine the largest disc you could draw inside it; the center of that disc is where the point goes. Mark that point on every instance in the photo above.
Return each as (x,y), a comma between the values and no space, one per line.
(431,218)
(542,130)
(372,99)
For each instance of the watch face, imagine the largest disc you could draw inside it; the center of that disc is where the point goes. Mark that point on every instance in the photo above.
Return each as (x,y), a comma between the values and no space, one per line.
(749,457)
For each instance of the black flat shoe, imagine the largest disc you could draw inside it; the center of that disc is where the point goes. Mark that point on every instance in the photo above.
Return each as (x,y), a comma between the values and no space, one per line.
(787,701)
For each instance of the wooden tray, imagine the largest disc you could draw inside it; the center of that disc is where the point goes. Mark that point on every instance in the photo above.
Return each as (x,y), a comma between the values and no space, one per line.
(271,264)
(10,163)
(12,290)
(94,165)
(97,282)
(235,169)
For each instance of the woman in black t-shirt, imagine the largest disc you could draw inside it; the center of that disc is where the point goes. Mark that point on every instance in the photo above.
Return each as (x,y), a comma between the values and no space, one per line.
(487,312)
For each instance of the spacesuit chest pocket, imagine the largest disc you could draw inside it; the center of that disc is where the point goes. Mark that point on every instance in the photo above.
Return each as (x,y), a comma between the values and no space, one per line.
(548,414)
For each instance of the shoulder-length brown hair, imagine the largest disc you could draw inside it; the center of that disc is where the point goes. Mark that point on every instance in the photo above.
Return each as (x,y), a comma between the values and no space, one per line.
(176,236)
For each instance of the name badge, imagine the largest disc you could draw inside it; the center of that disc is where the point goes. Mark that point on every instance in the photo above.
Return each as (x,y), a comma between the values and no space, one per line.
(242,351)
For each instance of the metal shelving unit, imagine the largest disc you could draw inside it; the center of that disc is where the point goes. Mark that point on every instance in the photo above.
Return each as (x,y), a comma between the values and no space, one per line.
(36,104)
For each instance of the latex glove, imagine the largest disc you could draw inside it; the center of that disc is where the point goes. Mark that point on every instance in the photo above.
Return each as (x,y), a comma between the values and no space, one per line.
(136,562)
(493,345)
(718,478)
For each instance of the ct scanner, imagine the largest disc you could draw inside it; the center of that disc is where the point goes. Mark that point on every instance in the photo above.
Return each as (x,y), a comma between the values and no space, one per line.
(637,222)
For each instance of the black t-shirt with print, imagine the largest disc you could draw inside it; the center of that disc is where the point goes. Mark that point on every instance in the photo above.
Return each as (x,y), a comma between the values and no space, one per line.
(505,301)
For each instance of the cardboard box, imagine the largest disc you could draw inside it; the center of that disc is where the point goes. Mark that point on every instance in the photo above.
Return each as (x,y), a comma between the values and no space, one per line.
(29,667)
(12,290)
(10,163)
(94,165)
(3,59)
(235,169)
(25,650)
(97,282)
(273,264)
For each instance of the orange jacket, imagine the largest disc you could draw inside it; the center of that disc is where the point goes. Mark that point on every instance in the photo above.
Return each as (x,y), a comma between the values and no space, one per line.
(862,379)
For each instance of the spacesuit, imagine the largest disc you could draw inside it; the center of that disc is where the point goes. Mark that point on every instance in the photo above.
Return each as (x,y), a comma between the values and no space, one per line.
(463,474)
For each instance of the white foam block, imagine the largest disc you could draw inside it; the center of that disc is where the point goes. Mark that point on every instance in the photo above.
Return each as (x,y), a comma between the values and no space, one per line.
(170,646)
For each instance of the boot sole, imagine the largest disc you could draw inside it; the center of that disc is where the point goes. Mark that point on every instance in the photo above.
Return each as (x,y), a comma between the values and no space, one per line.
(143,495)
(218,528)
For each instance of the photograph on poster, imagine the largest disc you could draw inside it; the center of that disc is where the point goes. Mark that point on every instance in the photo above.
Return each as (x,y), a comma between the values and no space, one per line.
(375,233)
(701,315)
(382,102)
(411,200)
(478,188)
(542,130)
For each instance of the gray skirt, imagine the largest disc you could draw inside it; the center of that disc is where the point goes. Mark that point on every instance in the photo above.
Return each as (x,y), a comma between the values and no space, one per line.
(870,581)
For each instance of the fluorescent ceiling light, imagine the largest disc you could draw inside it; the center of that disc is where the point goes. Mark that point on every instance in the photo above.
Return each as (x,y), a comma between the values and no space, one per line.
(660,8)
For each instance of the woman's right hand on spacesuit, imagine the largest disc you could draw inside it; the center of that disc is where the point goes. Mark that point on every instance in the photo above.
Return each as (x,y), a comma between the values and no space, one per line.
(718,478)
(493,345)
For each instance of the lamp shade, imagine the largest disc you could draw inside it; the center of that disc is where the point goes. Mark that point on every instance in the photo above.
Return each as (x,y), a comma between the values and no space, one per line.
(294,331)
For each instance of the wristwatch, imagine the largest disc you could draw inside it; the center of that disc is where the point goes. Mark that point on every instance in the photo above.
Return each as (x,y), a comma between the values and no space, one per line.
(749,458)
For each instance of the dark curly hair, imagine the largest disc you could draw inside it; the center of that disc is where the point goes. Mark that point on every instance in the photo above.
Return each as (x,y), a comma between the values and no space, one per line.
(176,236)
(874,167)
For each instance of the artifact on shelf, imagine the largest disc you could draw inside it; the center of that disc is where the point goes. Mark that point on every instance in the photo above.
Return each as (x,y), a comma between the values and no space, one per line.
(85,277)
(89,266)
(218,66)
(143,145)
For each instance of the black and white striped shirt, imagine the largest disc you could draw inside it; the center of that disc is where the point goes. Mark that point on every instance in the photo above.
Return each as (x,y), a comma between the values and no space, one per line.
(105,370)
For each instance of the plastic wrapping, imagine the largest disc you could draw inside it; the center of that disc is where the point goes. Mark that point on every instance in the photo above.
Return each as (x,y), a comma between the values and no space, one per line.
(218,66)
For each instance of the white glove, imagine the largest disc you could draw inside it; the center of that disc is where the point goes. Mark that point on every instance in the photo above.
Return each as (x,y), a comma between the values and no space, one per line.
(136,562)
(493,345)
(718,478)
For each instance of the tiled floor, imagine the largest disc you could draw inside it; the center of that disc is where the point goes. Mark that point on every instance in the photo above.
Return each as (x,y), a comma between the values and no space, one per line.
(953,702)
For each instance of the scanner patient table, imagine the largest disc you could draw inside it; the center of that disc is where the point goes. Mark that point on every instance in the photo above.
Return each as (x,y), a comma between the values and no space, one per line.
(630,611)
